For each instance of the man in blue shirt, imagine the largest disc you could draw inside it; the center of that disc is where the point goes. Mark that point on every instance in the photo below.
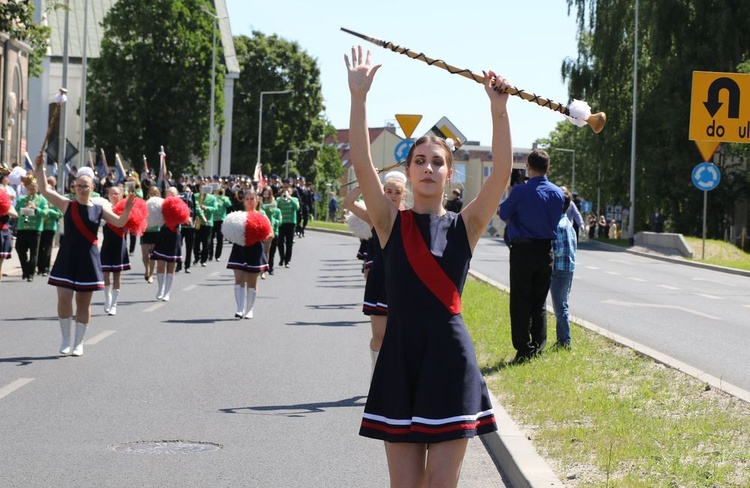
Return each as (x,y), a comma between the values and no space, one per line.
(562,273)
(531,212)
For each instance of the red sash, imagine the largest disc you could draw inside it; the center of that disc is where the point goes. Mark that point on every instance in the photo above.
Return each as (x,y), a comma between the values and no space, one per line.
(117,230)
(426,266)
(78,222)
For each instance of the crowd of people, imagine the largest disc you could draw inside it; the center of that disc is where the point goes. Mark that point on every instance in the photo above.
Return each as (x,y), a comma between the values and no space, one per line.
(178,223)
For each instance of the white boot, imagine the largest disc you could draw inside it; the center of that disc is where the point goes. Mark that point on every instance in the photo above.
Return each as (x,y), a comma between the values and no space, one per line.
(251,292)
(239,299)
(107,298)
(160,285)
(113,304)
(374,357)
(168,286)
(80,332)
(65,329)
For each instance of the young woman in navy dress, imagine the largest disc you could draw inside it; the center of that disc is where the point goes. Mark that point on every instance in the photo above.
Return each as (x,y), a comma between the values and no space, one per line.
(114,256)
(427,388)
(77,270)
(167,251)
(375,303)
(247,262)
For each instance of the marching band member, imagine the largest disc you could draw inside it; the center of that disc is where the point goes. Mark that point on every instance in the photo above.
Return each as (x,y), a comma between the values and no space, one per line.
(77,269)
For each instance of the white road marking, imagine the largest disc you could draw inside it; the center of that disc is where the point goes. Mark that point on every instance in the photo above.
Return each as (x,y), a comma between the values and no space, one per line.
(614,273)
(715,281)
(592,267)
(619,261)
(215,274)
(712,297)
(10,388)
(669,287)
(636,279)
(658,305)
(99,337)
(153,307)
(746,305)
(188,288)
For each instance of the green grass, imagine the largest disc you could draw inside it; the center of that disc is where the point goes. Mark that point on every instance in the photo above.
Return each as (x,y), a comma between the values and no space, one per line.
(321,224)
(719,253)
(607,416)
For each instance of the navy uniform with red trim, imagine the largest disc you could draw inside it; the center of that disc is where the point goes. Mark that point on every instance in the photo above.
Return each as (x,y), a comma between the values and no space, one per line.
(78,263)
(168,245)
(375,302)
(6,239)
(251,259)
(114,252)
(427,386)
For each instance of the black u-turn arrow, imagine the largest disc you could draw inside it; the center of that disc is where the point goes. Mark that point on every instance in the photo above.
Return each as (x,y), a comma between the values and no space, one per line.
(713,104)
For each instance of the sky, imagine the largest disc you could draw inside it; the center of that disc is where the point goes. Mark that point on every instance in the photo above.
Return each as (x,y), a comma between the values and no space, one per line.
(525,41)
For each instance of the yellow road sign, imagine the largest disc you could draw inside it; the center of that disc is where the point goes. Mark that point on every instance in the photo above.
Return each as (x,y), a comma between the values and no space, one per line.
(408,123)
(717,109)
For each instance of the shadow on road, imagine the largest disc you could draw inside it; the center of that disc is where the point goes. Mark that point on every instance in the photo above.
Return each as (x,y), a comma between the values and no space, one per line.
(341,323)
(26,360)
(298,410)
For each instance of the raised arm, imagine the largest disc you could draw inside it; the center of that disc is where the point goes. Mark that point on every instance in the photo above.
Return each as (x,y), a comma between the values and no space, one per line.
(477,213)
(47,191)
(122,219)
(381,211)
(356,207)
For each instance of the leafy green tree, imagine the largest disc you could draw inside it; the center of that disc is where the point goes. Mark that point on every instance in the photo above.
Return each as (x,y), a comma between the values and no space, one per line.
(17,20)
(292,121)
(151,86)
(675,38)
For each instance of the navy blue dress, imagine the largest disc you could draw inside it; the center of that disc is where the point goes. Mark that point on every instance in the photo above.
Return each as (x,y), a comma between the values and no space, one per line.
(6,245)
(168,245)
(114,251)
(78,264)
(375,302)
(251,259)
(427,386)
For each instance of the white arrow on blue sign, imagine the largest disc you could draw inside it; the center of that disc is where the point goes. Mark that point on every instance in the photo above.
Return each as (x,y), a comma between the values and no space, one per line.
(706,176)
(402,150)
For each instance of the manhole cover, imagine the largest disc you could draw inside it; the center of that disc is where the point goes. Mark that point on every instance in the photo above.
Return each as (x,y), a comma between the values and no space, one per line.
(166,447)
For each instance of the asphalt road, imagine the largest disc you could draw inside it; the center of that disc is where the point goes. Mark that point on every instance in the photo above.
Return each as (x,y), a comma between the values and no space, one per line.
(697,316)
(270,402)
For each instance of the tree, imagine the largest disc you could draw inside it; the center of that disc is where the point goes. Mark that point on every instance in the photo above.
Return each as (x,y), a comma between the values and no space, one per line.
(17,20)
(151,85)
(291,121)
(675,38)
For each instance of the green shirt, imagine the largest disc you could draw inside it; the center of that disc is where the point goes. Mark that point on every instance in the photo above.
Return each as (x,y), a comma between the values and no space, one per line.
(222,204)
(31,222)
(51,218)
(288,207)
(205,208)
(271,210)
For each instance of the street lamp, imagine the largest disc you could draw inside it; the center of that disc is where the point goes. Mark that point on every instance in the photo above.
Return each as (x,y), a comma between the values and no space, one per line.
(573,176)
(260,116)
(286,174)
(212,122)
(631,214)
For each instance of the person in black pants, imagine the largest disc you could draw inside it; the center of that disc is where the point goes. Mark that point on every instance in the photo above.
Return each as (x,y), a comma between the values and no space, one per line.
(531,213)
(187,231)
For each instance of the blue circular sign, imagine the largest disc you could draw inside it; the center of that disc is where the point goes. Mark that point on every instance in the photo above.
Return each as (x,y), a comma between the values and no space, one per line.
(706,176)
(402,150)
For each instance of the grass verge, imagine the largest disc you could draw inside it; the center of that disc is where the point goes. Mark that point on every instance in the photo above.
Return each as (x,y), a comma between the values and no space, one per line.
(321,224)
(719,253)
(604,416)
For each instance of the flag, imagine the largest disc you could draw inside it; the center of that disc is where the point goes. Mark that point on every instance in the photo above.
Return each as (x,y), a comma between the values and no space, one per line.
(29,162)
(258,176)
(120,170)
(91,161)
(103,163)
(144,173)
(162,167)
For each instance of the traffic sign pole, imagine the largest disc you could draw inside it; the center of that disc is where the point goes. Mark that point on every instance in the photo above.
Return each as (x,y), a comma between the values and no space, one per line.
(705,200)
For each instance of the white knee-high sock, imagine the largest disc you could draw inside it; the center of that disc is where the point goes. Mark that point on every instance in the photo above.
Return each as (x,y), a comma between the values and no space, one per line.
(107,298)
(78,345)
(65,330)
(251,293)
(160,285)
(113,303)
(168,286)
(239,299)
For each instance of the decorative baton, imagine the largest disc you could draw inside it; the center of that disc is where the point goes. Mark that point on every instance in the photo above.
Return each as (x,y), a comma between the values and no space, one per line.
(578,112)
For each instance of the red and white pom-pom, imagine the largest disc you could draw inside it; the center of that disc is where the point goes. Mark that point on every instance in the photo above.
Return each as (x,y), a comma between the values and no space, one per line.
(4,202)
(359,227)
(136,223)
(102,202)
(246,228)
(175,212)
(580,112)
(155,217)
